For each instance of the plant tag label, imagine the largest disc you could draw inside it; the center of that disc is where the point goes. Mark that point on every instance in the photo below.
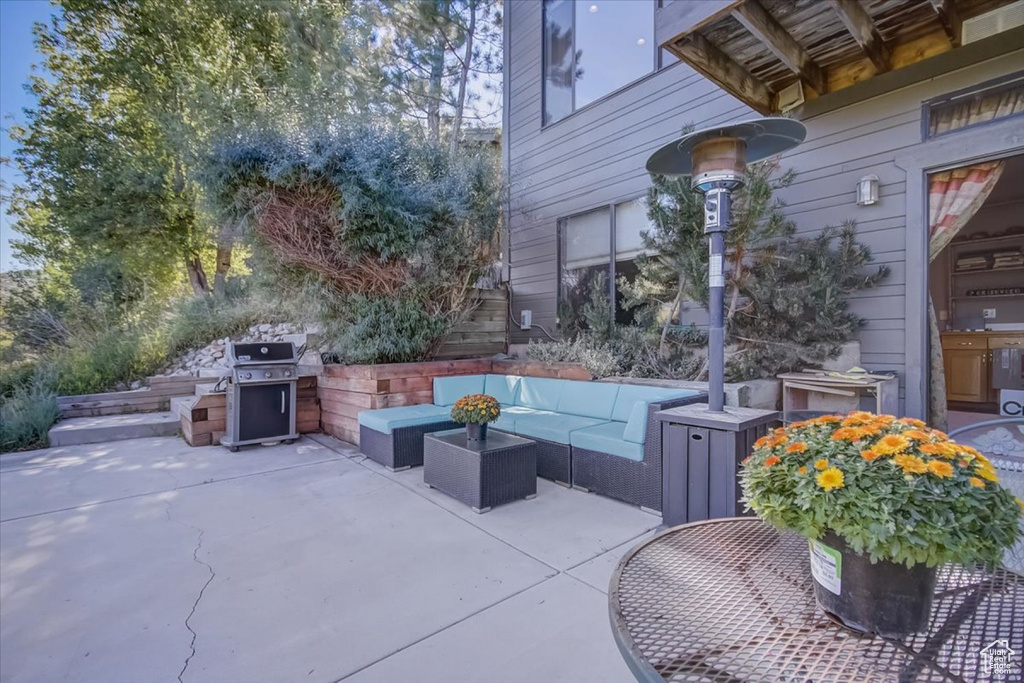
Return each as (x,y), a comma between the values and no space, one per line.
(827,567)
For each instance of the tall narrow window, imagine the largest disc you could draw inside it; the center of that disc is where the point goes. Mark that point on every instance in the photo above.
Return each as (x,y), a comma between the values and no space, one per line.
(558,59)
(592,48)
(585,269)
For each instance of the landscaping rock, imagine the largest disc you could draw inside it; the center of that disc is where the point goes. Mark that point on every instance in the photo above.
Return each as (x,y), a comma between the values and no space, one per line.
(212,361)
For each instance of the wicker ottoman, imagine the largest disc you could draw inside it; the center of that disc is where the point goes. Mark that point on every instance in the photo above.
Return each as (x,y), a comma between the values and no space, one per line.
(481,474)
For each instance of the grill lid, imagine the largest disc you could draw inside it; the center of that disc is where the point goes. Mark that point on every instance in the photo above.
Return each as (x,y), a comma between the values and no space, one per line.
(266,352)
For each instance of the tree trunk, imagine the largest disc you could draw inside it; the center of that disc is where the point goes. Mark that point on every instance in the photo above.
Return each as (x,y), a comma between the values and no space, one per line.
(467,61)
(435,84)
(225,245)
(676,305)
(197,276)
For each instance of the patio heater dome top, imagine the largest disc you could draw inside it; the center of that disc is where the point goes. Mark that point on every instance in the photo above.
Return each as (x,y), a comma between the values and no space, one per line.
(720,154)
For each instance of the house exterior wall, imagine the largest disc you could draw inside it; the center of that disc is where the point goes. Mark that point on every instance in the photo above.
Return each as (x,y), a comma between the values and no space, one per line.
(596,157)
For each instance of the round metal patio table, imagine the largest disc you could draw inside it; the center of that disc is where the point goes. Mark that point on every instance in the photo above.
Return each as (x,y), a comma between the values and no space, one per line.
(731,600)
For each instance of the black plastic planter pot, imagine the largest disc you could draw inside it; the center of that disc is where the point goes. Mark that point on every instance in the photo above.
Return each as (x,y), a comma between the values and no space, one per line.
(475,432)
(883,598)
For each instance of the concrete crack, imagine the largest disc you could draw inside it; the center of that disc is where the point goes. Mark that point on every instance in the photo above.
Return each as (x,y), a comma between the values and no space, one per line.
(195,605)
(202,591)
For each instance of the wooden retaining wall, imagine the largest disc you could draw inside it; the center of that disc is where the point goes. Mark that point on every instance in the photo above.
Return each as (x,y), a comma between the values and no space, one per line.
(345,390)
(484,332)
(154,398)
(206,420)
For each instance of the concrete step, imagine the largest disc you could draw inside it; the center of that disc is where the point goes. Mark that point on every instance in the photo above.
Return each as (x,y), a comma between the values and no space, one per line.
(181,403)
(80,430)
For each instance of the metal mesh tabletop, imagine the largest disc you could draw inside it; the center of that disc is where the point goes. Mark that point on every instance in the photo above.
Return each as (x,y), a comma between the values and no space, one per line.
(732,600)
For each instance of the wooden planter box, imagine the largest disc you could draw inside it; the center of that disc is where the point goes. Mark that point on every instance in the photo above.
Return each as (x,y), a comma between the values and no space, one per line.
(345,390)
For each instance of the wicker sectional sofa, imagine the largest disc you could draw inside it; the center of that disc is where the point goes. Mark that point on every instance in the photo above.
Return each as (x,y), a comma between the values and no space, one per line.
(598,436)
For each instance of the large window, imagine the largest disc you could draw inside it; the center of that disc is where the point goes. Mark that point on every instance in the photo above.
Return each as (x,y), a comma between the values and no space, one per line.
(981,104)
(592,48)
(588,275)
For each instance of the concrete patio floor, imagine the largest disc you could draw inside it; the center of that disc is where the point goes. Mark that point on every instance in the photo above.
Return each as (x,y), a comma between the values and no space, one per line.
(147,560)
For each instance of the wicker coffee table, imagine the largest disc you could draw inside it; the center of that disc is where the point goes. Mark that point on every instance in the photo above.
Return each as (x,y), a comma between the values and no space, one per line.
(481,474)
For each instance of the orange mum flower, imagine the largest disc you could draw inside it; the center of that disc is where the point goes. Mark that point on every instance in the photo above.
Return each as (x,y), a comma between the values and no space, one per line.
(820,464)
(798,447)
(762,442)
(917,435)
(911,422)
(858,417)
(911,464)
(801,470)
(940,468)
(832,478)
(772,460)
(933,449)
(988,473)
(798,425)
(825,420)
(977,482)
(870,455)
(894,443)
(846,434)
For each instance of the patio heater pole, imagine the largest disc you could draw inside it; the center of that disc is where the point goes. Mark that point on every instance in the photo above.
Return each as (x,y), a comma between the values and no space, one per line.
(716,223)
(716,159)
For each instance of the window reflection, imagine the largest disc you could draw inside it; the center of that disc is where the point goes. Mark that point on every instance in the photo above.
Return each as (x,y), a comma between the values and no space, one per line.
(614,45)
(594,47)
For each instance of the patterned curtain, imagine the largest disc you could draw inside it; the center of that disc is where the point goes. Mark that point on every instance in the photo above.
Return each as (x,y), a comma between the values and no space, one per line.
(953,199)
(978,109)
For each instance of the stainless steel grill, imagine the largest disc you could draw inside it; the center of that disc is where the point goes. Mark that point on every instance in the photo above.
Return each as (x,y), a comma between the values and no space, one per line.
(261,394)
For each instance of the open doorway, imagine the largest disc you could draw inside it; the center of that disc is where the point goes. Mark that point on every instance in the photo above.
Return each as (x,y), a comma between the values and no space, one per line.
(976,287)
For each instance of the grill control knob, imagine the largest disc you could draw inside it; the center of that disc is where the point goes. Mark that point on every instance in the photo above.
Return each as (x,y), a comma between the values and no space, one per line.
(287,373)
(248,375)
(268,373)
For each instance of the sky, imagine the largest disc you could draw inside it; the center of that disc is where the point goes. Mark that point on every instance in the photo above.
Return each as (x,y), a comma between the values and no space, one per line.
(17,54)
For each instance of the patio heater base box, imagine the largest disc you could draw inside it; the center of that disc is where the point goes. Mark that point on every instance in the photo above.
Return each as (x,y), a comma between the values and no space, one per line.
(700,460)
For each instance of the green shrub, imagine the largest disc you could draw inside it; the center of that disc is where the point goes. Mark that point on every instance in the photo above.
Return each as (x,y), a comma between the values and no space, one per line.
(27,413)
(197,322)
(591,353)
(382,330)
(102,360)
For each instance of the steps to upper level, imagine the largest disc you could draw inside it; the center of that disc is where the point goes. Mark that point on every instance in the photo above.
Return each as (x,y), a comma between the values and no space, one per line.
(81,430)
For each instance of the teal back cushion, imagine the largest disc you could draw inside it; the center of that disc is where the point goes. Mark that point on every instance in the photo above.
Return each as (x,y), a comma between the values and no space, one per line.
(502,387)
(540,392)
(589,399)
(629,394)
(448,390)
(636,425)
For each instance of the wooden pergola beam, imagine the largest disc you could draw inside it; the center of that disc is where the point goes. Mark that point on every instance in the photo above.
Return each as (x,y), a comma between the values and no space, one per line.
(763,26)
(706,58)
(678,19)
(949,17)
(860,26)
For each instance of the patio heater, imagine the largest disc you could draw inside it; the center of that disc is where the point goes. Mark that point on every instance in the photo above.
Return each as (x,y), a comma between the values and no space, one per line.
(716,159)
(702,445)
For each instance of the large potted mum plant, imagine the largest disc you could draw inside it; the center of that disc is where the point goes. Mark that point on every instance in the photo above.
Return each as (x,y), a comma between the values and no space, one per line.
(884,502)
(476,411)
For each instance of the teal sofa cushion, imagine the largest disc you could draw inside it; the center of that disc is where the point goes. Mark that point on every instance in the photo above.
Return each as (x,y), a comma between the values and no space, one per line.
(502,387)
(553,427)
(385,420)
(636,425)
(506,421)
(540,392)
(589,399)
(448,390)
(607,438)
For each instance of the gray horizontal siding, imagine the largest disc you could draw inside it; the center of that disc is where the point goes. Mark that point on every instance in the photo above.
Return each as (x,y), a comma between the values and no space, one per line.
(597,155)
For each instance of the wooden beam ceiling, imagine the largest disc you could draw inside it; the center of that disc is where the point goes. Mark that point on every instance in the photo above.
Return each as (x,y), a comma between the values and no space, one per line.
(863,30)
(686,16)
(765,28)
(949,17)
(703,56)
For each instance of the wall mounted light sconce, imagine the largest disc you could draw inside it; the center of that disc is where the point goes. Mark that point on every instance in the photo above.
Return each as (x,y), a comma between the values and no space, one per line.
(867,190)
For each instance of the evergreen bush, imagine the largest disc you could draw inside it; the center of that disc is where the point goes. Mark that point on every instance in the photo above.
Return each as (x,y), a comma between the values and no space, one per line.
(386,233)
